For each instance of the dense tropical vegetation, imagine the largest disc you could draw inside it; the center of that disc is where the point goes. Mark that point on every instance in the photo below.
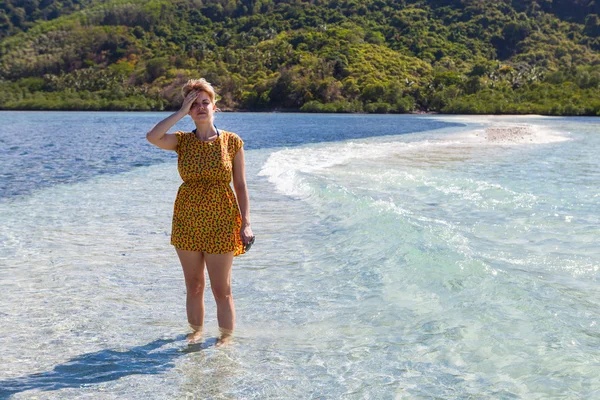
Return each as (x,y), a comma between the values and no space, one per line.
(450,56)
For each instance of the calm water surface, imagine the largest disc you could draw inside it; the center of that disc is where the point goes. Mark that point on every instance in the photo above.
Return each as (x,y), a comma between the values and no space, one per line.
(396,257)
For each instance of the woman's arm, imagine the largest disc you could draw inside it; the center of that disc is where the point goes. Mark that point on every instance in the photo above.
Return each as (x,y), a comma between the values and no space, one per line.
(158,135)
(241,193)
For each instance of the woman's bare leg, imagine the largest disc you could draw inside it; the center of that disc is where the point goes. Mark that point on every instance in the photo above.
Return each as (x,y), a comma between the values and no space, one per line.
(192,263)
(219,272)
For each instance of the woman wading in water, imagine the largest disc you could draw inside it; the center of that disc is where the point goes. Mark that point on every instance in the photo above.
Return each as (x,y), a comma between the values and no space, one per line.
(211,224)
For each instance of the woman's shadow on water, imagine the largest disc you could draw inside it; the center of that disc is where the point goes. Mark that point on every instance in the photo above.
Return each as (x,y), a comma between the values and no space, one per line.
(103,366)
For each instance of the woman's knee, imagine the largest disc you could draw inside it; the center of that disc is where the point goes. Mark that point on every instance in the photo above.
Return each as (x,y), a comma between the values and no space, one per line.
(195,287)
(222,294)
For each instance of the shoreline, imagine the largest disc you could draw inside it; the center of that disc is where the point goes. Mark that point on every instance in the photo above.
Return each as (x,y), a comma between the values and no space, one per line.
(425,113)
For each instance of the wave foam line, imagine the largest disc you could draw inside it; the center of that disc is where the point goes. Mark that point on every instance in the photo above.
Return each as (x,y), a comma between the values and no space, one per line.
(285,168)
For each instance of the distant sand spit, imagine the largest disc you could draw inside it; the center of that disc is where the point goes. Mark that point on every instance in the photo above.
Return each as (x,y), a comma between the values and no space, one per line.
(509,134)
(509,130)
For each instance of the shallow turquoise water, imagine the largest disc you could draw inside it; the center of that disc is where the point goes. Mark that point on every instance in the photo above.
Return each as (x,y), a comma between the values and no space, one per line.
(424,265)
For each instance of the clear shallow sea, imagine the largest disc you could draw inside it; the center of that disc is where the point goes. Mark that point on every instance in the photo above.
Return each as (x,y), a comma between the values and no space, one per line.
(396,257)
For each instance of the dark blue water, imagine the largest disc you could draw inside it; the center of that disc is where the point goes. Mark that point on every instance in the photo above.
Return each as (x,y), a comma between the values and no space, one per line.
(41,149)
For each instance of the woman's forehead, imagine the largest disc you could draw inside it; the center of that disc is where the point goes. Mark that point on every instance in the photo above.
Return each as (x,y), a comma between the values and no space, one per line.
(203,96)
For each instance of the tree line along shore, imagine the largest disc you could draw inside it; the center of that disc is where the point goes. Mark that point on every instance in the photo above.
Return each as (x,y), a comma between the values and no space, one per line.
(373,56)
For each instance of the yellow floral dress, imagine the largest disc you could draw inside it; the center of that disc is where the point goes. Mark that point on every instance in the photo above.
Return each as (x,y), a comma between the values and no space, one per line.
(206,215)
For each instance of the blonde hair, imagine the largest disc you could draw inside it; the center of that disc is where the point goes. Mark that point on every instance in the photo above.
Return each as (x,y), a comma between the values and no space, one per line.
(200,85)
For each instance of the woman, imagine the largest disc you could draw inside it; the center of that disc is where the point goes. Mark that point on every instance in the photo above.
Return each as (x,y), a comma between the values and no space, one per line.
(208,226)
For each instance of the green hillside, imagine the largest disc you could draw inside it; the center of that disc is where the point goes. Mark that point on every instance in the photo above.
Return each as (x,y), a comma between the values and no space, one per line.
(450,56)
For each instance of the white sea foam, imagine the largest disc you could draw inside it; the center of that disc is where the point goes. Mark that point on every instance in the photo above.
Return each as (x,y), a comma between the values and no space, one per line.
(285,168)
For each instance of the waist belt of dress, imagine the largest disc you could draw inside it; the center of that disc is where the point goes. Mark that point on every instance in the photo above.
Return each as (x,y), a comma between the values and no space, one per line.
(203,181)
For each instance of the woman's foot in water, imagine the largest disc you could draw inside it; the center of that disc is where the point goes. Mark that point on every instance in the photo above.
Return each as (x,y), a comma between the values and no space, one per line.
(196,335)
(225,337)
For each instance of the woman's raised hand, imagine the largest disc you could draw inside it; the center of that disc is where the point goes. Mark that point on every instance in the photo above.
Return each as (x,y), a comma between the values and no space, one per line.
(188,101)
